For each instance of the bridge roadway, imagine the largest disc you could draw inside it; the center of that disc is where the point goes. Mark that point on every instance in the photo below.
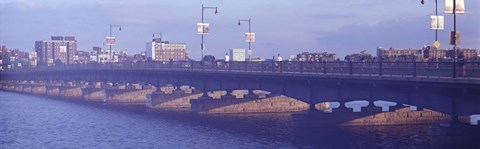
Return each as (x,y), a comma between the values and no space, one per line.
(447,87)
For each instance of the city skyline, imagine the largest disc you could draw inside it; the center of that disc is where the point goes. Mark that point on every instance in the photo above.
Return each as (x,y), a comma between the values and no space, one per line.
(360,25)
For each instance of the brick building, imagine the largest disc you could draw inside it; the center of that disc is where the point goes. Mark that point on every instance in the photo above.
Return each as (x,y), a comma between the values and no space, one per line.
(59,48)
(159,50)
(315,57)
(426,53)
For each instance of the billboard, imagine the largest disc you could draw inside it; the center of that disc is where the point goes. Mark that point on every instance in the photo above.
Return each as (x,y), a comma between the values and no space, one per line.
(249,37)
(110,41)
(459,4)
(437,22)
(202,28)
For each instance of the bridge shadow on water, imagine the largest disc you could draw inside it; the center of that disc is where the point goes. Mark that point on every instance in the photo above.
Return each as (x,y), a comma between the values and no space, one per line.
(277,128)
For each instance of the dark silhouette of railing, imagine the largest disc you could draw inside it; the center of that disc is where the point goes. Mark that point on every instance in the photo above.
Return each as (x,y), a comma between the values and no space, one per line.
(466,70)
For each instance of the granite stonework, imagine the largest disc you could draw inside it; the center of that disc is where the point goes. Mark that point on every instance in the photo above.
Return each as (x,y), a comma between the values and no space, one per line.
(398,117)
(18,88)
(129,96)
(248,105)
(27,89)
(94,94)
(71,92)
(52,90)
(39,89)
(177,100)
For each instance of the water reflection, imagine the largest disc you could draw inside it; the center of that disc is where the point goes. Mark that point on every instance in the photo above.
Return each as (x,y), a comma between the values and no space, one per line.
(31,122)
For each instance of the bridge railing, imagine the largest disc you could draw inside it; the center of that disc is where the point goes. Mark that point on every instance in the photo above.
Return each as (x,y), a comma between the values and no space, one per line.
(393,69)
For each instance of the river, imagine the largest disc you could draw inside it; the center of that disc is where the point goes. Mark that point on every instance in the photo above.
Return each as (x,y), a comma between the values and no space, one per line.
(39,122)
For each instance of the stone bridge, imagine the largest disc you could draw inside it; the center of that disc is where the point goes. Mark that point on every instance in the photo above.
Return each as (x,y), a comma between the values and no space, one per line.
(441,87)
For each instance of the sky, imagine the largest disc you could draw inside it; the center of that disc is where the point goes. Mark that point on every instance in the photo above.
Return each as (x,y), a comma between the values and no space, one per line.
(281,26)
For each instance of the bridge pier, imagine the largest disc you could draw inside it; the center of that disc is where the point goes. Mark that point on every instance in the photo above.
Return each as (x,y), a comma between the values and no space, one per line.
(52,90)
(71,91)
(130,96)
(178,101)
(247,105)
(93,94)
(27,88)
(18,88)
(399,117)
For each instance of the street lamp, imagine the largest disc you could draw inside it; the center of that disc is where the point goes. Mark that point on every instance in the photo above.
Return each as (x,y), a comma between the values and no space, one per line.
(202,33)
(455,9)
(248,36)
(436,14)
(110,43)
(436,26)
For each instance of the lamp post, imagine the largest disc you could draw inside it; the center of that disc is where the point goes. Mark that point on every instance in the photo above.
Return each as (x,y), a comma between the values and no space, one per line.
(437,19)
(120,29)
(454,37)
(249,31)
(202,46)
(452,7)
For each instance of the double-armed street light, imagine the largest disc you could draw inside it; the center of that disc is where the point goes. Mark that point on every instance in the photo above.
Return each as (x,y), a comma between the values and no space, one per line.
(203,28)
(249,37)
(111,40)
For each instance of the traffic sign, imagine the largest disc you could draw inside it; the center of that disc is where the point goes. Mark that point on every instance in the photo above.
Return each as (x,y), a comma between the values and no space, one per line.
(436,44)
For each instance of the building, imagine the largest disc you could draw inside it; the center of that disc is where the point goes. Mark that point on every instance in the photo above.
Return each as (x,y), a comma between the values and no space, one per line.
(159,50)
(363,56)
(427,53)
(315,57)
(237,54)
(82,57)
(33,59)
(98,55)
(60,49)
(13,58)
(400,54)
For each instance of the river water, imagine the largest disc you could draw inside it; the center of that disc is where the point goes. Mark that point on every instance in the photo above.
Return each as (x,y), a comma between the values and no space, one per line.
(38,122)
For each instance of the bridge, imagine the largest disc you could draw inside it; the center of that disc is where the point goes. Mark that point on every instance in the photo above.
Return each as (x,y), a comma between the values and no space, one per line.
(448,87)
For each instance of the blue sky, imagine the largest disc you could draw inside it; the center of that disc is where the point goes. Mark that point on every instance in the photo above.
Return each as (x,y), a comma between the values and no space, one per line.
(282,26)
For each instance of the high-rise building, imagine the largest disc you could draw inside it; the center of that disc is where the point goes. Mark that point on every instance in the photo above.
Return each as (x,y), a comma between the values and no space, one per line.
(159,50)
(58,49)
